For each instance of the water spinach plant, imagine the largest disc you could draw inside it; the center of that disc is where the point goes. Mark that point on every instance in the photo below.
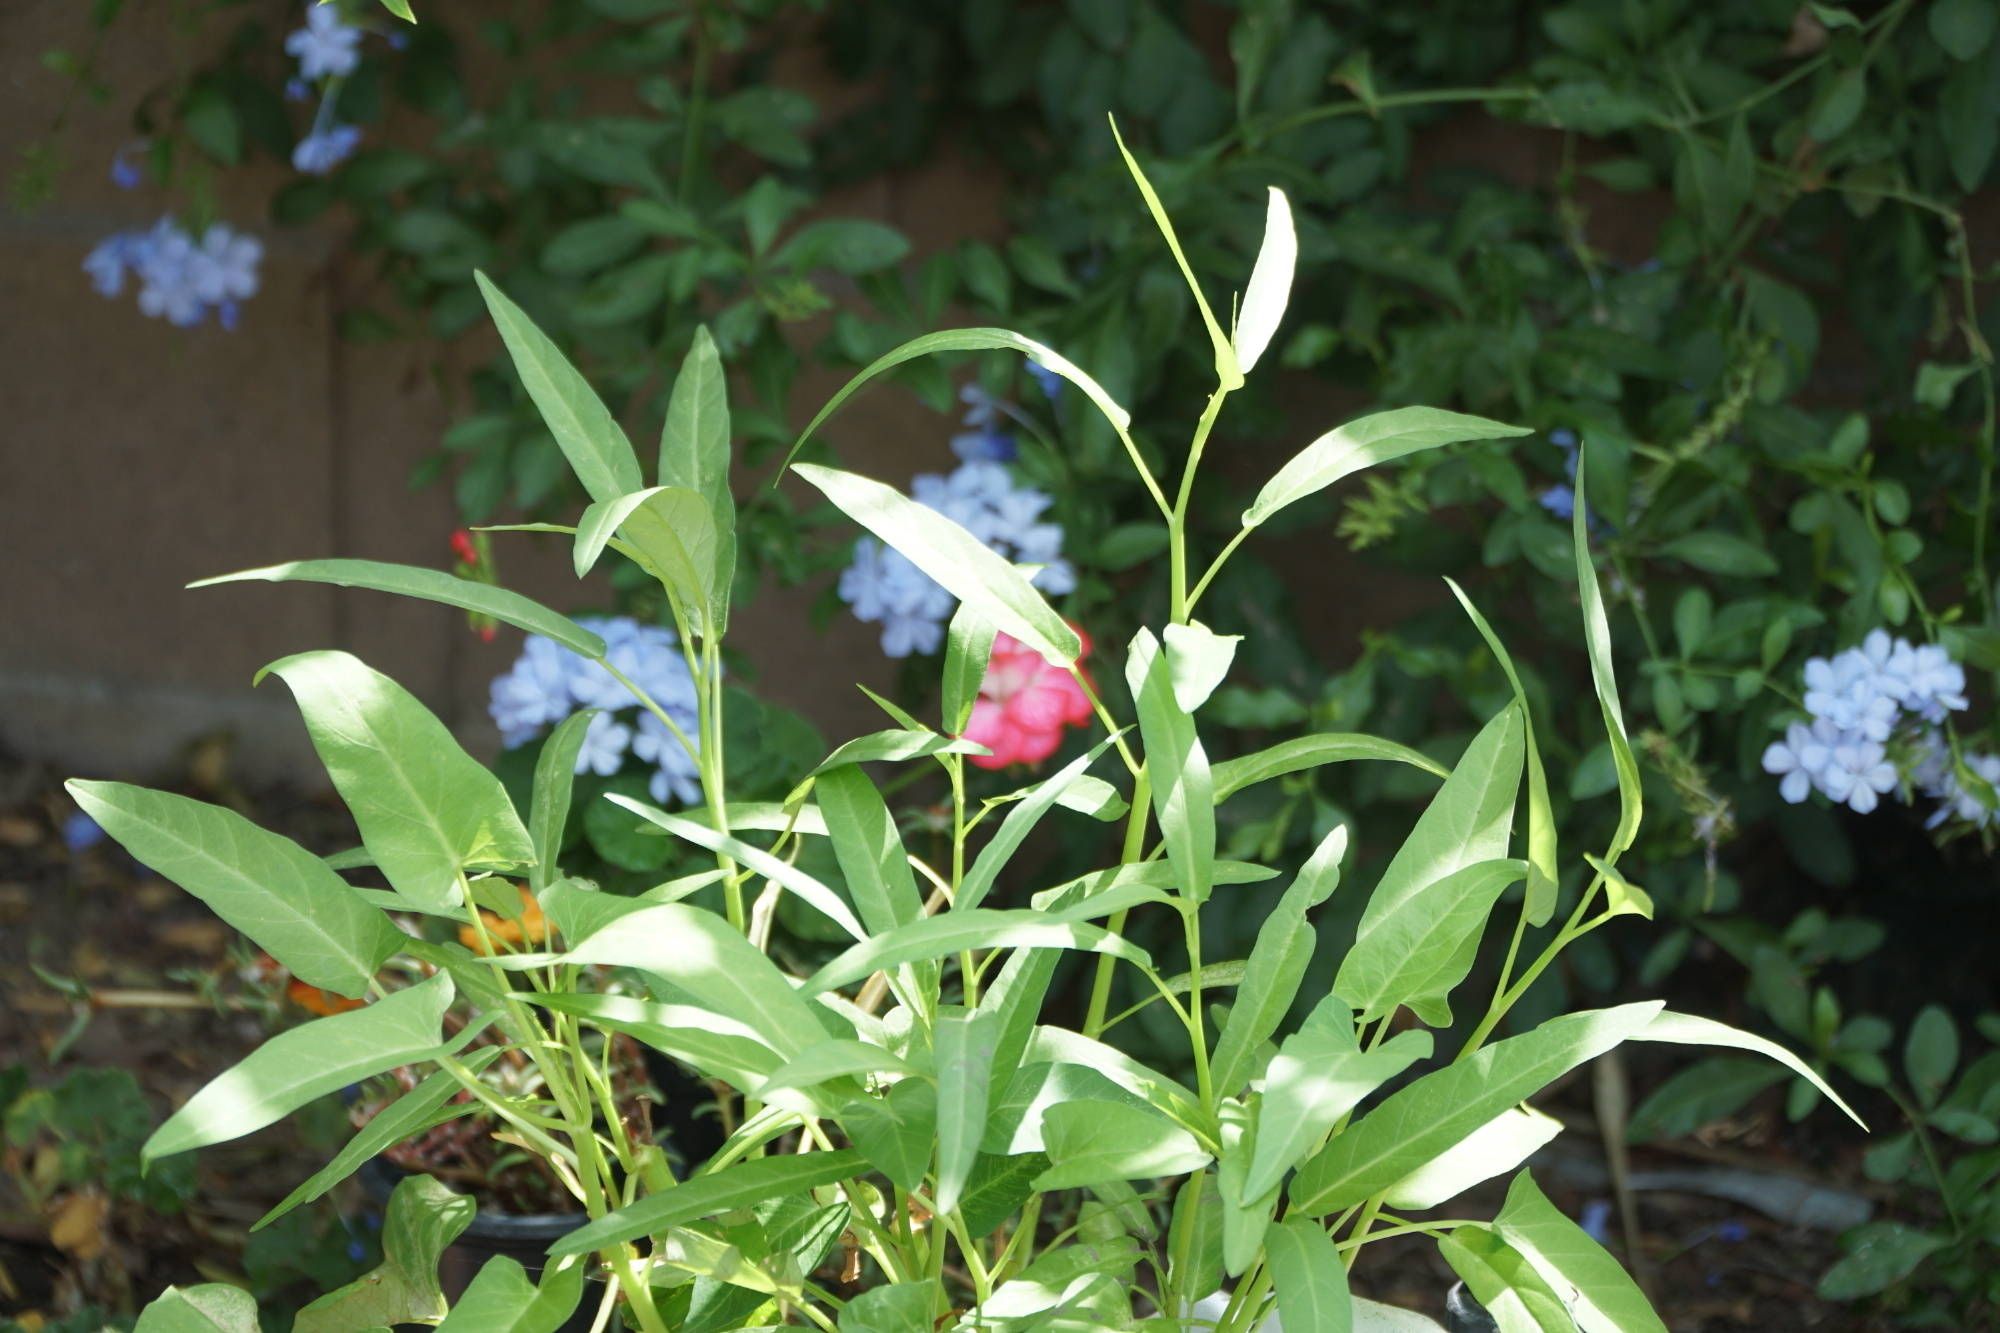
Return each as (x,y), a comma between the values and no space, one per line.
(915,1140)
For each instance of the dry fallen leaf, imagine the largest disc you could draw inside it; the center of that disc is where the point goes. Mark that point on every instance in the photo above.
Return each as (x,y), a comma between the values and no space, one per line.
(19,831)
(77,1224)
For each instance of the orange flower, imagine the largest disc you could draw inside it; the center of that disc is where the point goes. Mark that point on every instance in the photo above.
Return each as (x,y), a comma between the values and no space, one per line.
(316,1001)
(531,926)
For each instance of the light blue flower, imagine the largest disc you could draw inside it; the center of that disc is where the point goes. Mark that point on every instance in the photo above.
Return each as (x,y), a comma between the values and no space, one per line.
(325,46)
(534,692)
(604,744)
(1963,803)
(985,444)
(982,411)
(1856,773)
(676,773)
(80,832)
(1926,680)
(324,149)
(223,269)
(906,634)
(1559,500)
(1800,757)
(106,264)
(297,89)
(1047,380)
(125,174)
(165,267)
(1596,1221)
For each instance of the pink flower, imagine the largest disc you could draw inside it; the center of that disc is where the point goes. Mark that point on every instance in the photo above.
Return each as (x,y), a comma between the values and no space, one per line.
(1024,704)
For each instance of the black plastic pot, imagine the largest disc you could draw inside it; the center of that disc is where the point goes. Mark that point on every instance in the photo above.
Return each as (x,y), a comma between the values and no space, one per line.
(524,1238)
(1462,1314)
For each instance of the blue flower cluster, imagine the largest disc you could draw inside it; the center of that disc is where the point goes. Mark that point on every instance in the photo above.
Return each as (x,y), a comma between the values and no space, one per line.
(1560,499)
(548,683)
(179,278)
(884,587)
(329,49)
(1884,697)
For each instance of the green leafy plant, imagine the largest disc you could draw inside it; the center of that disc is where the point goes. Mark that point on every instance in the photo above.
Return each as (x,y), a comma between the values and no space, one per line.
(994,1167)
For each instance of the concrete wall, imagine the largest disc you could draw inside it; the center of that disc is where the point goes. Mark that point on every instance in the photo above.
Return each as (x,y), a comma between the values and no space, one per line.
(139,456)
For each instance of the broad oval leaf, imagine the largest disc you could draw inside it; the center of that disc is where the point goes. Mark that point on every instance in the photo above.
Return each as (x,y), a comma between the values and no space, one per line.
(966,567)
(426,809)
(1285,943)
(1304,752)
(1420,1121)
(276,892)
(1197,658)
(1466,823)
(306,1062)
(1498,1146)
(1183,789)
(732,1187)
(1310,1278)
(1270,283)
(589,436)
(1604,1297)
(694,452)
(1090,1143)
(1689,1030)
(431,585)
(700,954)
(1361,444)
(423,1217)
(1417,951)
(502,1299)
(964,1046)
(212,1307)
(896,1132)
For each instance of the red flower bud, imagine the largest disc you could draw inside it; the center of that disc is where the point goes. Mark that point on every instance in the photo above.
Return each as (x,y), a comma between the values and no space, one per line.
(462,546)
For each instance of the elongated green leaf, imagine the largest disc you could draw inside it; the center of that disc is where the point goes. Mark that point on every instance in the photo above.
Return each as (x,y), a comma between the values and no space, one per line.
(901,1307)
(1014,1120)
(409,1115)
(815,894)
(1604,1298)
(1496,1147)
(694,452)
(1364,443)
(673,537)
(1541,893)
(1243,1225)
(897,1131)
(1103,892)
(1375,1317)
(1689,1030)
(1019,822)
(425,808)
(1277,963)
(1015,998)
(968,651)
(590,438)
(869,848)
(1318,1075)
(1227,373)
(423,1217)
(718,1046)
(1597,639)
(1270,283)
(212,1307)
(964,1046)
(1466,823)
(1419,1122)
(1060,1045)
(732,1187)
(1183,789)
(1310,1278)
(548,807)
(1502,1280)
(432,586)
(306,1062)
(969,569)
(894,747)
(700,954)
(270,888)
(969,340)
(1420,949)
(975,928)
(833,1058)
(502,1299)
(1090,1142)
(1304,752)
(1197,659)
